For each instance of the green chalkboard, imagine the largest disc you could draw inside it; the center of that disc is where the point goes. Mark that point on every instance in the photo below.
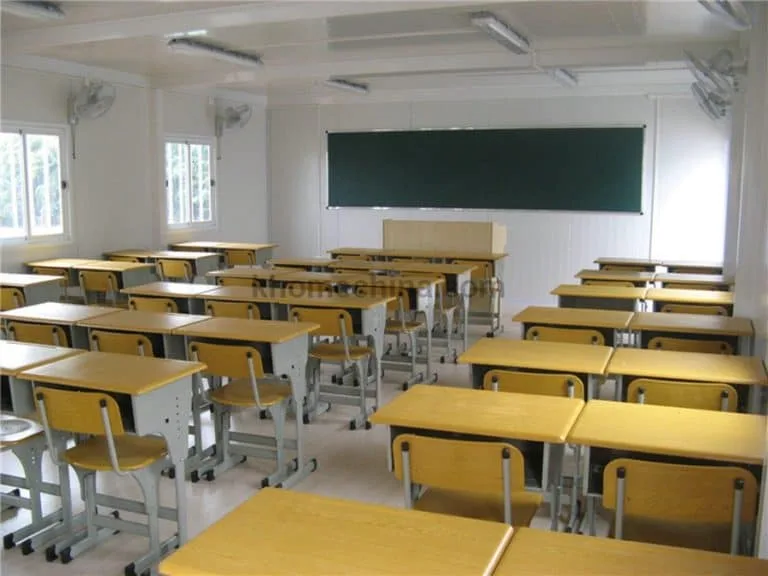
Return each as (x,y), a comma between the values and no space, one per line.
(584,169)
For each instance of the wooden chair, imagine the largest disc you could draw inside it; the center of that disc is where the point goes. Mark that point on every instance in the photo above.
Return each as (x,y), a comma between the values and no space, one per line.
(623,268)
(336,323)
(694,309)
(121,343)
(239,258)
(567,335)
(684,505)
(484,480)
(108,447)
(180,270)
(33,333)
(608,283)
(247,388)
(116,258)
(103,284)
(11,298)
(149,304)
(699,395)
(564,385)
(227,281)
(689,345)
(246,310)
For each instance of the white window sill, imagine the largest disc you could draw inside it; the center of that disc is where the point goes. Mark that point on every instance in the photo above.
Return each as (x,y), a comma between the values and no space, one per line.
(181,229)
(40,242)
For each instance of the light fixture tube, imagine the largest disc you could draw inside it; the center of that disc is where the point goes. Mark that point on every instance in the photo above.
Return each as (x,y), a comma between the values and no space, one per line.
(198,47)
(39,10)
(502,32)
(347,85)
(564,77)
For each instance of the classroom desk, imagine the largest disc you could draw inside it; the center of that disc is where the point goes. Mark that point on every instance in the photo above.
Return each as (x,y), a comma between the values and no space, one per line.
(160,327)
(185,295)
(284,349)
(37,288)
(599,297)
(627,364)
(643,429)
(282,532)
(638,279)
(336,280)
(201,262)
(66,266)
(540,553)
(587,362)
(696,281)
(308,264)
(128,273)
(62,314)
(156,395)
(647,264)
(261,276)
(261,252)
(487,415)
(690,266)
(738,332)
(661,296)
(611,323)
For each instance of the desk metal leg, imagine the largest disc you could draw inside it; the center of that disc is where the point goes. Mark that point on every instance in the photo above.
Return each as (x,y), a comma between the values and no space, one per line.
(574,511)
(619,393)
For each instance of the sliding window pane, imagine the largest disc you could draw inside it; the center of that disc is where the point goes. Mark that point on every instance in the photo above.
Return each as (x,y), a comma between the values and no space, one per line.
(12,213)
(177,177)
(201,182)
(44,184)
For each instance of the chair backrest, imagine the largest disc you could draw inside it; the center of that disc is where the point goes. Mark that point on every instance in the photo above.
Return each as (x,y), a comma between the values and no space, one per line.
(64,282)
(695,309)
(228,281)
(304,288)
(623,283)
(334,322)
(416,260)
(565,385)
(693,286)
(175,270)
(694,270)
(688,345)
(99,281)
(700,395)
(353,257)
(247,310)
(568,335)
(624,268)
(227,360)
(483,270)
(399,305)
(708,495)
(239,258)
(11,298)
(49,334)
(148,304)
(78,412)
(116,258)
(121,343)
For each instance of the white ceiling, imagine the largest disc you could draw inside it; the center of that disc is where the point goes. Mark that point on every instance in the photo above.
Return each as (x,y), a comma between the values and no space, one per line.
(393,46)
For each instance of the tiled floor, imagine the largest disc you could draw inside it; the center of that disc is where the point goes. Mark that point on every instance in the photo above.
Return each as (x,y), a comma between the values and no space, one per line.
(352,465)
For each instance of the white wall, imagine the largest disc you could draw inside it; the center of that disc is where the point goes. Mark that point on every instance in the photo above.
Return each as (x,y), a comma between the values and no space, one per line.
(546,248)
(116,182)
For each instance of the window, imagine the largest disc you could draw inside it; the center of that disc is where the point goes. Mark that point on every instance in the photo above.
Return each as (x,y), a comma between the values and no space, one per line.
(189,182)
(33,203)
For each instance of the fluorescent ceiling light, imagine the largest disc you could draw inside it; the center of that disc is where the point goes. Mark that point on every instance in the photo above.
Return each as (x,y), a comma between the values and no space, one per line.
(731,12)
(197,47)
(40,10)
(564,77)
(190,34)
(347,85)
(502,32)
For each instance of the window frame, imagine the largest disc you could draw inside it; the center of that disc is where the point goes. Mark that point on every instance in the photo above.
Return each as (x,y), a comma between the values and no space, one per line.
(63,132)
(189,140)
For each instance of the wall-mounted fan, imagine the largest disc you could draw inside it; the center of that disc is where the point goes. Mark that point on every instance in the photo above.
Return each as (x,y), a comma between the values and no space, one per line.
(713,105)
(732,12)
(93,100)
(230,118)
(718,74)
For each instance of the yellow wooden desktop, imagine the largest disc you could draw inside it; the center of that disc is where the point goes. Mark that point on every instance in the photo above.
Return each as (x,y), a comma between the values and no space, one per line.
(278,296)
(646,324)
(209,245)
(692,266)
(112,266)
(59,263)
(541,553)
(249,273)
(267,331)
(681,296)
(616,276)
(143,322)
(16,357)
(330,278)
(418,253)
(583,317)
(722,282)
(22,281)
(281,532)
(165,254)
(401,266)
(36,288)
(60,313)
(612,292)
(302,263)
(169,289)
(648,264)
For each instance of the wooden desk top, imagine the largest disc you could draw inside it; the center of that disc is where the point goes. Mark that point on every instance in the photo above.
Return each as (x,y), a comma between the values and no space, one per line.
(117,373)
(16,357)
(167,254)
(679,278)
(692,324)
(320,277)
(111,266)
(676,295)
(63,263)
(402,266)
(169,289)
(421,253)
(267,331)
(628,261)
(320,262)
(717,266)
(279,296)
(617,292)
(708,434)
(143,322)
(535,355)
(482,412)
(250,272)
(61,313)
(410,282)
(544,553)
(289,533)
(691,366)
(22,281)
(615,319)
(616,275)
(224,245)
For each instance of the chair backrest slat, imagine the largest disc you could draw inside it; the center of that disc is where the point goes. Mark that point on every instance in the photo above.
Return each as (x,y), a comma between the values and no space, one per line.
(690,345)
(567,335)
(694,309)
(121,343)
(79,412)
(546,384)
(49,334)
(223,309)
(226,360)
(334,322)
(699,395)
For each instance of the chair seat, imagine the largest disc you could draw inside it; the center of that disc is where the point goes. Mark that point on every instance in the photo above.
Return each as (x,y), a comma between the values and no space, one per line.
(133,453)
(398,327)
(239,393)
(480,506)
(335,352)
(712,537)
